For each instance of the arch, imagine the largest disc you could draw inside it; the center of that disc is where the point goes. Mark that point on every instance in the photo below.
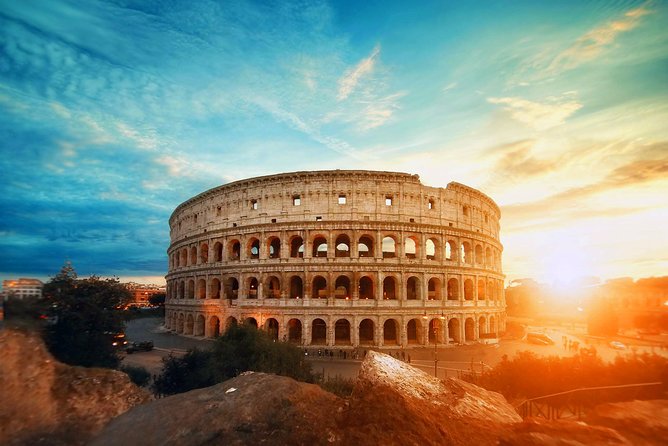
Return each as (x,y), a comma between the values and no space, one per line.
(435,329)
(230,322)
(318,332)
(453,289)
(482,326)
(491,290)
(214,289)
(432,249)
(203,253)
(481,289)
(342,287)
(319,288)
(190,325)
(489,260)
(253,248)
(182,290)
(342,332)
(180,325)
(389,247)
(271,327)
(251,322)
(213,328)
(391,332)
(296,287)
(469,329)
(342,246)
(295,331)
(193,255)
(201,288)
(272,288)
(492,325)
(365,288)
(274,247)
(234,250)
(296,247)
(365,246)
(450,250)
(465,253)
(217,252)
(478,254)
(199,325)
(231,288)
(389,288)
(191,289)
(453,331)
(468,289)
(184,257)
(319,247)
(412,288)
(434,288)
(252,288)
(410,247)
(366,332)
(414,331)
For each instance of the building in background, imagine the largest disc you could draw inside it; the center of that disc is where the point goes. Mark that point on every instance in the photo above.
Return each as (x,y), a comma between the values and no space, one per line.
(21,288)
(141,293)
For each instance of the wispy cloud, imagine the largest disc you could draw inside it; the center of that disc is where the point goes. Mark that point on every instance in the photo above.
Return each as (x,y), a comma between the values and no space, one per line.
(350,80)
(539,115)
(515,160)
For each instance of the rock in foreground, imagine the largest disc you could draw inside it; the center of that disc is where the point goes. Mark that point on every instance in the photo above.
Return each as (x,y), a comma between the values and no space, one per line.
(46,402)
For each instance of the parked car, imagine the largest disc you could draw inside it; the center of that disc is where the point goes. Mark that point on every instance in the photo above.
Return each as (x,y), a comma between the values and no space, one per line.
(145,346)
(539,339)
(617,345)
(118,340)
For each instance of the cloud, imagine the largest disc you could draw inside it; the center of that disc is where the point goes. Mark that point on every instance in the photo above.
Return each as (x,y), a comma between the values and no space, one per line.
(591,44)
(516,161)
(350,80)
(378,112)
(540,116)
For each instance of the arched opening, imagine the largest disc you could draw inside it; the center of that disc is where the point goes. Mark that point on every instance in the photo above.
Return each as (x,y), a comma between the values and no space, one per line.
(489,261)
(469,330)
(478,254)
(296,287)
(465,254)
(468,289)
(180,326)
(410,248)
(218,252)
(434,292)
(199,325)
(181,291)
(193,255)
(214,327)
(184,257)
(342,246)
(435,329)
(365,246)
(431,249)
(273,288)
(366,288)
(453,331)
(389,288)
(234,250)
(482,327)
(342,332)
(450,250)
(342,287)
(231,288)
(201,289)
(491,291)
(297,247)
(390,332)
(412,288)
(319,288)
(252,288)
(190,324)
(414,332)
(318,332)
(320,247)
(251,322)
(271,326)
(481,289)
(453,289)
(253,248)
(366,332)
(191,289)
(204,253)
(492,325)
(214,289)
(274,245)
(389,247)
(230,322)
(295,331)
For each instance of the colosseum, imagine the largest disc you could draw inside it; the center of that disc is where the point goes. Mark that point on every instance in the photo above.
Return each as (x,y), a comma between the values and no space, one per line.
(342,258)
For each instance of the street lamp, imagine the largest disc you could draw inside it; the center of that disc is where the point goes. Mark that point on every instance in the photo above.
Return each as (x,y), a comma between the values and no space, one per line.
(436,328)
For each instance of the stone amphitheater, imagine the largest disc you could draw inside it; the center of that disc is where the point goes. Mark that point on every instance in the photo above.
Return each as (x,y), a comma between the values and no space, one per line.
(342,258)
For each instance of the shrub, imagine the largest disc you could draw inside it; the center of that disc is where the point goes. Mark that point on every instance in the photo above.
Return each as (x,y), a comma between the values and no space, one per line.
(138,375)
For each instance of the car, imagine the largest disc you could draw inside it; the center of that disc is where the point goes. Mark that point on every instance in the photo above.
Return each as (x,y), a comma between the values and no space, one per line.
(145,346)
(118,340)
(617,345)
(539,339)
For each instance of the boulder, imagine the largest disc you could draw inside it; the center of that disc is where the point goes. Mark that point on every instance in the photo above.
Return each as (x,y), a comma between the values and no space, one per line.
(642,422)
(46,402)
(542,432)
(394,403)
(253,408)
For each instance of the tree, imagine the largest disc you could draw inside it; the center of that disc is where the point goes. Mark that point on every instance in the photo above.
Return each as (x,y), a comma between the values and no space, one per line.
(85,317)
(157,299)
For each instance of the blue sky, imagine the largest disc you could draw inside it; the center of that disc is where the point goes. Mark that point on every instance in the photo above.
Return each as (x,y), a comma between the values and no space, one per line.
(114,112)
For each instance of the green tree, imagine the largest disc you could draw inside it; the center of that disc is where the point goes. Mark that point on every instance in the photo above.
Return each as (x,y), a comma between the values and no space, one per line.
(85,316)
(157,299)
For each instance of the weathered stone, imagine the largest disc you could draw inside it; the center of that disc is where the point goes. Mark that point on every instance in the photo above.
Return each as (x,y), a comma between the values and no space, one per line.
(542,432)
(43,401)
(642,422)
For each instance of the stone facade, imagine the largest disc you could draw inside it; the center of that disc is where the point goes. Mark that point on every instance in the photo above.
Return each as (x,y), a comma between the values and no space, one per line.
(338,258)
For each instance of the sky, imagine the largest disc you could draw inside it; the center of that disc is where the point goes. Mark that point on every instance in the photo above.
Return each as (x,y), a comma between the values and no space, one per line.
(114,112)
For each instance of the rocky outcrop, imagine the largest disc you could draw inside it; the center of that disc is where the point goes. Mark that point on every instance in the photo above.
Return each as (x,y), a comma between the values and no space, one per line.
(43,401)
(642,422)
(542,432)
